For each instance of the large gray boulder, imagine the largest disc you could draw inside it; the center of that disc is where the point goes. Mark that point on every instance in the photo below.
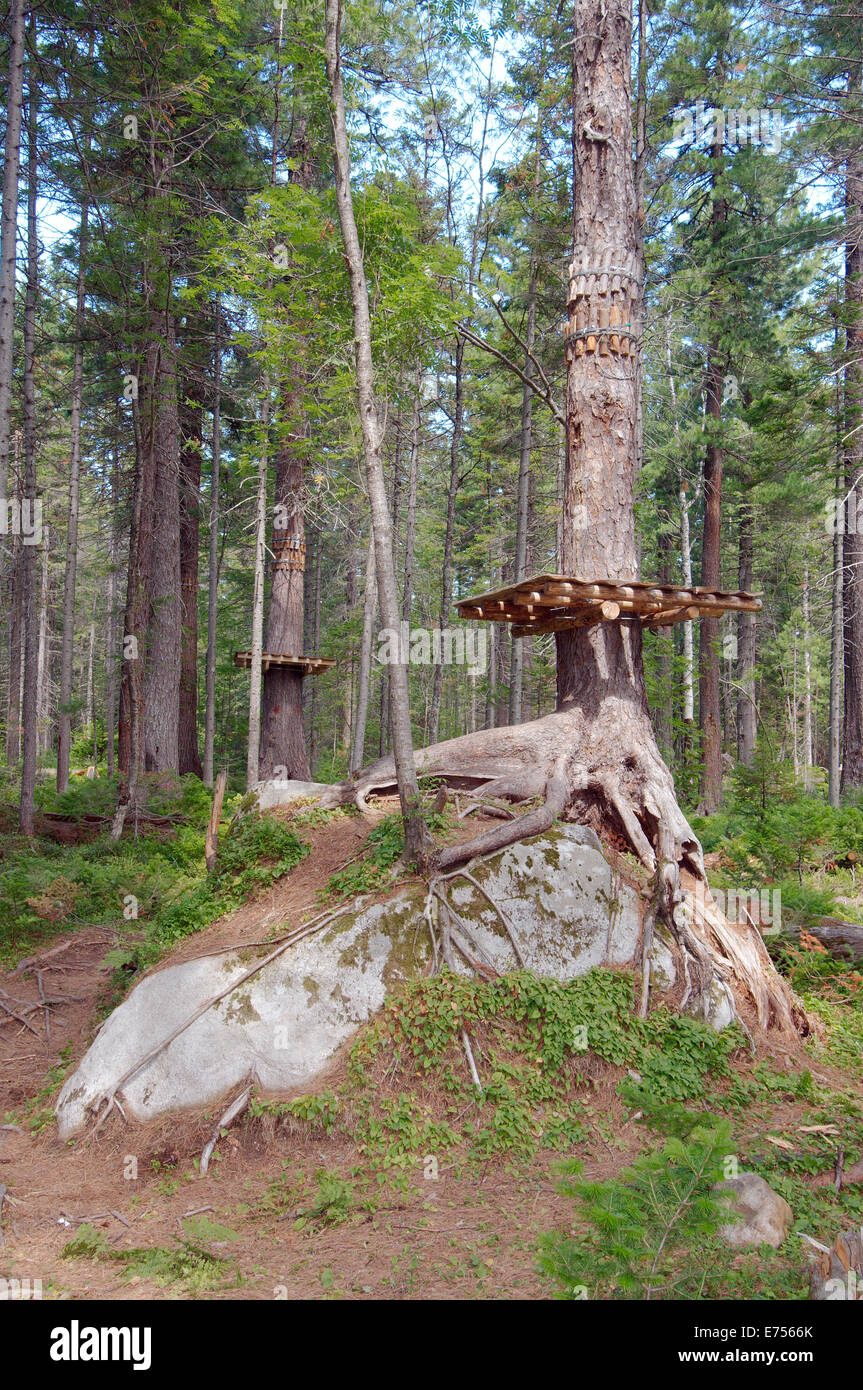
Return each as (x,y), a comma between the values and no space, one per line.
(281,792)
(566,908)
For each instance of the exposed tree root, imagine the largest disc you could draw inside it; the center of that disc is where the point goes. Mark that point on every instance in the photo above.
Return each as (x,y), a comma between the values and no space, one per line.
(602,770)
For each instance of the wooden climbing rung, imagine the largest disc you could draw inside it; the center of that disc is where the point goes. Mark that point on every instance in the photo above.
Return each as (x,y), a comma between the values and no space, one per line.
(307,665)
(559,602)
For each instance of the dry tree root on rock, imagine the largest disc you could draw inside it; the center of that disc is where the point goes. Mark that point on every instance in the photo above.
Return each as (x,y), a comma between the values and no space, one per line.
(606,772)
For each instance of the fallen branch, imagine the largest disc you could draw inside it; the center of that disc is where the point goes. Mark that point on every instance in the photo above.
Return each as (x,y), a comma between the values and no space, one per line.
(468,1052)
(233,1110)
(44,1005)
(40,960)
(12,1014)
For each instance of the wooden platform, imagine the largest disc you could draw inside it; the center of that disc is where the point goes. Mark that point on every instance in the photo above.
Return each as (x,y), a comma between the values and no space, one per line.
(308,665)
(557,602)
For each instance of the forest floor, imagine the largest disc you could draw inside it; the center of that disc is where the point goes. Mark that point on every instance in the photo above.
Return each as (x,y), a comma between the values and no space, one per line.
(400,1186)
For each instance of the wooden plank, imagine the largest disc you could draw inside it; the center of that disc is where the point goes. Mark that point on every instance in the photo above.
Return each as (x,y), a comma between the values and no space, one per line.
(555,625)
(670,616)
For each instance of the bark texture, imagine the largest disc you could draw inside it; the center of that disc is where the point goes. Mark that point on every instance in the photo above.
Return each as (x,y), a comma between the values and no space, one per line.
(191,426)
(852,589)
(9,229)
(746,645)
(283,743)
(28,559)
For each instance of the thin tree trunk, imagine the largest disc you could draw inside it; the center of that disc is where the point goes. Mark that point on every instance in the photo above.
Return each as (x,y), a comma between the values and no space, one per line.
(559,494)
(111,637)
(254,744)
(852,587)
(383,716)
(213,569)
(808,755)
(708,681)
(417,838)
(836,654)
(347,719)
(16,600)
(516,665)
(491,683)
(685,555)
(413,485)
(708,655)
(89,721)
(316,646)
(130,734)
(449,535)
(64,722)
(746,640)
(191,420)
(28,561)
(370,604)
(43,677)
(9,231)
(664,714)
(793,715)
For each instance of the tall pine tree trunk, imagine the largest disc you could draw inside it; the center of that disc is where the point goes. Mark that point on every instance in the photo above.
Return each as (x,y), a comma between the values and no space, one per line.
(16,622)
(709,714)
(213,565)
(9,231)
(370,605)
(449,533)
(191,420)
(283,740)
(64,721)
(28,562)
(852,588)
(417,839)
(836,654)
(164,622)
(516,665)
(43,672)
(111,634)
(746,640)
(283,743)
(260,537)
